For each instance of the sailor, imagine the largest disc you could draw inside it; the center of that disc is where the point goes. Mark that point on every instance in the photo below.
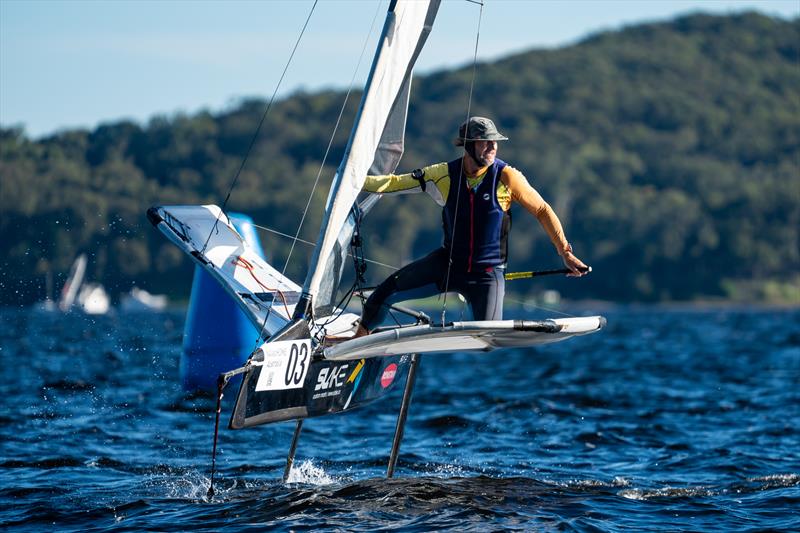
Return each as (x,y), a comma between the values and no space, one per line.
(476,192)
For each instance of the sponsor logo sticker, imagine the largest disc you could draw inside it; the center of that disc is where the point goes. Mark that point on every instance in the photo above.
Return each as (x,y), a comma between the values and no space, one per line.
(333,377)
(330,381)
(388,375)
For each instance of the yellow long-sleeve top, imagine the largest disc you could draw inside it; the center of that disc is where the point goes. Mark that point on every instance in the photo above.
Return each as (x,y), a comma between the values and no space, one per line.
(513,186)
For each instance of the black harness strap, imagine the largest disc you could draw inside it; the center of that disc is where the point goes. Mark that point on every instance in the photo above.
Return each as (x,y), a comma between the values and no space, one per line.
(419,175)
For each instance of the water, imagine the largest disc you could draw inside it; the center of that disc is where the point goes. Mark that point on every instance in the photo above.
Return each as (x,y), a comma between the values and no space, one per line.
(675,419)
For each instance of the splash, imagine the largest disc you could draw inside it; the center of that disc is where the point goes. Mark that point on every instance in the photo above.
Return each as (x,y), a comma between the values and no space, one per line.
(447,471)
(777,480)
(756,484)
(667,492)
(182,485)
(309,474)
(618,481)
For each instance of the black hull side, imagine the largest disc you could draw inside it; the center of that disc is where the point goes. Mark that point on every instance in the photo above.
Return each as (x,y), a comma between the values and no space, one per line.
(329,387)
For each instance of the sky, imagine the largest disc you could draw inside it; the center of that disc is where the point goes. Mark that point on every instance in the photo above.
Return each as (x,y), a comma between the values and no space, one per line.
(77,64)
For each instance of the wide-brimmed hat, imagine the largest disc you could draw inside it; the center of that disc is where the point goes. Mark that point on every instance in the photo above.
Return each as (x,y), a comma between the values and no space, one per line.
(478,129)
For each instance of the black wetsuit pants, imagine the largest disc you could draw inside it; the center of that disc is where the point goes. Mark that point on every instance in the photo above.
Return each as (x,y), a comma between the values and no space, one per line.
(483,290)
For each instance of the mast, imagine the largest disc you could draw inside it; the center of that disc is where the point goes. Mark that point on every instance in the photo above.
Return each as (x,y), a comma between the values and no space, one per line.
(373,142)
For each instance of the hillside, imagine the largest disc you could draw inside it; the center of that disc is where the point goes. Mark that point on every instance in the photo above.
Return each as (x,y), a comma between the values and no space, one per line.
(670,151)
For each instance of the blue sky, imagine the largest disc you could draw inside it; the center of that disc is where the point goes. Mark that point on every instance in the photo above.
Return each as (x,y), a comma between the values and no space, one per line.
(69,63)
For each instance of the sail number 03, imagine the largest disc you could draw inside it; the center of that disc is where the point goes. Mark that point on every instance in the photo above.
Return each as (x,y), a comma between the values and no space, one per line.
(285,365)
(296,366)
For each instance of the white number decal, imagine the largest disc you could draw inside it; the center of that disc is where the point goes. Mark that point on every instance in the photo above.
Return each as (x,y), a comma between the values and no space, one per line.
(285,365)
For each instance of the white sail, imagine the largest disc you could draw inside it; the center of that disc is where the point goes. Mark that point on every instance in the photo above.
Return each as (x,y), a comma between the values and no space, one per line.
(73,283)
(379,125)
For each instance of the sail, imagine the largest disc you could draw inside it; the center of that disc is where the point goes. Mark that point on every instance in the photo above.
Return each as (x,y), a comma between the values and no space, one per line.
(73,283)
(375,144)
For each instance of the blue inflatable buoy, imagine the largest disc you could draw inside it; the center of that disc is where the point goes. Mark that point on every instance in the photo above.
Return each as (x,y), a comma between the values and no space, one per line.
(217,336)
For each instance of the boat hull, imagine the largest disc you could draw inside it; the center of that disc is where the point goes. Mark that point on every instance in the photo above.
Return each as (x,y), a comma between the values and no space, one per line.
(329,387)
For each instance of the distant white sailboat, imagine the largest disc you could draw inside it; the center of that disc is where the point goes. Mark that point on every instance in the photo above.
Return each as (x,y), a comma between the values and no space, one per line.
(73,284)
(47,304)
(93,299)
(141,300)
(76,295)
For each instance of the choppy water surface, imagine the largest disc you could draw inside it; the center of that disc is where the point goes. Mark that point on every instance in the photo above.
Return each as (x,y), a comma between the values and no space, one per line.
(669,419)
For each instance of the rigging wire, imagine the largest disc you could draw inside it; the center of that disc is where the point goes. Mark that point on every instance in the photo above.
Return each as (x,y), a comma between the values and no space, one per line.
(222,381)
(309,243)
(260,124)
(360,265)
(458,189)
(322,165)
(461,174)
(247,265)
(533,304)
(341,306)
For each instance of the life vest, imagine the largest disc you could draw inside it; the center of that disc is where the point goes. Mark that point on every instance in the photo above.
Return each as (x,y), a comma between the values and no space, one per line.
(475,226)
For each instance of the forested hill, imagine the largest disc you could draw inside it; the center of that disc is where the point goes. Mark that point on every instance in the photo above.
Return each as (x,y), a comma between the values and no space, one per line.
(670,151)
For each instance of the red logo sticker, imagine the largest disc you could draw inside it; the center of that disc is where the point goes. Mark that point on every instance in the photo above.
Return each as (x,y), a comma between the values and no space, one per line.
(388,375)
